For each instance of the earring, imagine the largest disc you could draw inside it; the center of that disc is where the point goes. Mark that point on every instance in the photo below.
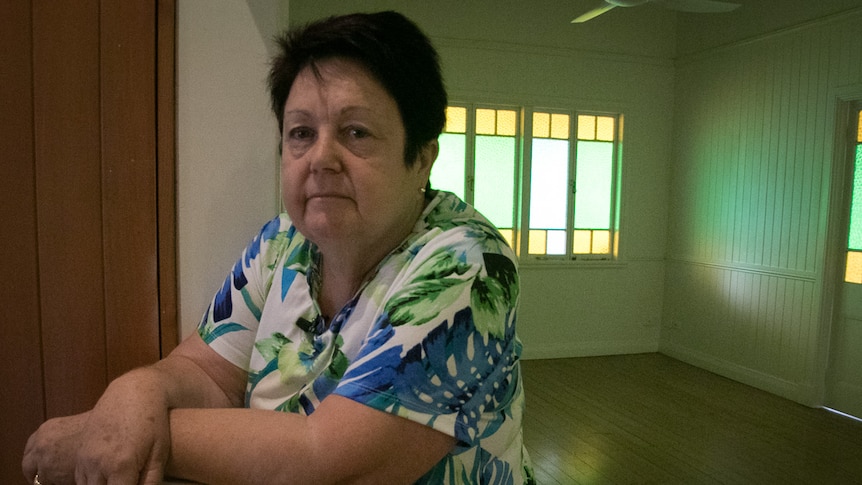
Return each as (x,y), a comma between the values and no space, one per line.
(422,189)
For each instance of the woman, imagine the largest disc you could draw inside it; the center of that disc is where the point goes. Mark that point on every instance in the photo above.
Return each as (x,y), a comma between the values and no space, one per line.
(365,336)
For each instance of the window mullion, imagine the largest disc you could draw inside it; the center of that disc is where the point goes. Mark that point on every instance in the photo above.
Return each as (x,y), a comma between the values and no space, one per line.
(526,167)
(570,200)
(470,158)
(616,177)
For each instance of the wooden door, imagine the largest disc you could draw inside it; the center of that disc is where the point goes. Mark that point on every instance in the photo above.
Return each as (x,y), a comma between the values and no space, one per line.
(87,289)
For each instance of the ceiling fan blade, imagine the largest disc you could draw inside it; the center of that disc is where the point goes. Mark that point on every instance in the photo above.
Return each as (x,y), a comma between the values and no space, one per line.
(593,13)
(698,6)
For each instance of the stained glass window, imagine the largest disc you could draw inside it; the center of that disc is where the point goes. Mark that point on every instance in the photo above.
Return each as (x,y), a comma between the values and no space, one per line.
(572,192)
(566,168)
(594,183)
(549,184)
(853,271)
(483,171)
(449,171)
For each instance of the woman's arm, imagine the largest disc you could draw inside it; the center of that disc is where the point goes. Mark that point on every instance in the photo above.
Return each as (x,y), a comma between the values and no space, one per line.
(127,435)
(341,442)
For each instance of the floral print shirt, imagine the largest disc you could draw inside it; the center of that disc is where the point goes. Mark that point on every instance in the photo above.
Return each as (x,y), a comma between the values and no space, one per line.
(430,336)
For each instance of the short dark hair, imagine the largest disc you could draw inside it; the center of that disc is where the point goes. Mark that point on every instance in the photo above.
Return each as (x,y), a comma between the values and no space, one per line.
(393,48)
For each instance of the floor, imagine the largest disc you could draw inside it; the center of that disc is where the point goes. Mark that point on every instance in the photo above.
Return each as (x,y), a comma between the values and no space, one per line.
(650,419)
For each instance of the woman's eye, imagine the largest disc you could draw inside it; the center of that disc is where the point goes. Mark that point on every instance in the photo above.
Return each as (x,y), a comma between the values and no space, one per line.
(300,133)
(355,132)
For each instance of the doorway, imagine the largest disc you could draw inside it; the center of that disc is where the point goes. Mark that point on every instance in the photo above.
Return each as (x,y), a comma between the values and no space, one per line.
(843,379)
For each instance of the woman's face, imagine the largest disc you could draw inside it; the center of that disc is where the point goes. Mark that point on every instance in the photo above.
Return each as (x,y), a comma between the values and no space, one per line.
(343,173)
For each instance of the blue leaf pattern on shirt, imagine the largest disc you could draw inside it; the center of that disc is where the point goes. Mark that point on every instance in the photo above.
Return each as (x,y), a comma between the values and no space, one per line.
(463,364)
(223,304)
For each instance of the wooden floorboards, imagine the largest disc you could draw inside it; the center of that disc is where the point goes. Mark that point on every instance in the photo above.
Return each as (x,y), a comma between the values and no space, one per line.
(650,419)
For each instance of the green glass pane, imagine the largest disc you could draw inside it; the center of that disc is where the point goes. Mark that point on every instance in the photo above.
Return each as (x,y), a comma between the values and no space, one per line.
(593,185)
(494,186)
(549,182)
(448,170)
(855,239)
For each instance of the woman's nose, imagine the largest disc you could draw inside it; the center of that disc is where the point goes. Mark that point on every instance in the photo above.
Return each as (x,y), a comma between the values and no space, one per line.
(326,154)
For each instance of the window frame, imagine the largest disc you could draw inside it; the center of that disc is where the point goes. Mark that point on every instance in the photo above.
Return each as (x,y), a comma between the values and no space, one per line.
(852,254)
(615,189)
(522,181)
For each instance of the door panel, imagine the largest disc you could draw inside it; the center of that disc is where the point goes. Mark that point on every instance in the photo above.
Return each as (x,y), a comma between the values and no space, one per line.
(129,214)
(86,149)
(68,204)
(21,399)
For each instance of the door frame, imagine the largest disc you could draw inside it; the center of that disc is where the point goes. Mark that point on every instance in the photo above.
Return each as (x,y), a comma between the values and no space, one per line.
(844,100)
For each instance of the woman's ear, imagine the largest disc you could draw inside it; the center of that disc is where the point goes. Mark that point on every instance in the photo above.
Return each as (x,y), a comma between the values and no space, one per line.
(427,155)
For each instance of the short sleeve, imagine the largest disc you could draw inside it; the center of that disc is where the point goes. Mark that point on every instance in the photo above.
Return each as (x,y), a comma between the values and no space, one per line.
(230,323)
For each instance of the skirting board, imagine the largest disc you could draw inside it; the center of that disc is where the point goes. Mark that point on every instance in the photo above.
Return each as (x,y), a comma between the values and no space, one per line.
(803,394)
(587,349)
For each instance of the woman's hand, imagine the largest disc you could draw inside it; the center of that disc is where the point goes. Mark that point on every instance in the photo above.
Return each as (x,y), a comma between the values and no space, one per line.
(52,449)
(126,438)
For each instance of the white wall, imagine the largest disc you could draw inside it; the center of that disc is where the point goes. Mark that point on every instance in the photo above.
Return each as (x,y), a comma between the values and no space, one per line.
(751,199)
(227,141)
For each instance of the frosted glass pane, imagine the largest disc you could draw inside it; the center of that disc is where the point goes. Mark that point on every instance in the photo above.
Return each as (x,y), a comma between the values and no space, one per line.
(541,125)
(601,242)
(586,127)
(494,187)
(537,242)
(448,171)
(549,184)
(605,128)
(556,242)
(509,236)
(855,232)
(853,273)
(581,242)
(506,122)
(456,119)
(560,126)
(593,182)
(486,121)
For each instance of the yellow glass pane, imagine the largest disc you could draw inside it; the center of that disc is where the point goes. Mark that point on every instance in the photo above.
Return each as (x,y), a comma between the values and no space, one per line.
(560,126)
(506,122)
(605,128)
(859,128)
(486,122)
(853,273)
(541,125)
(537,241)
(456,119)
(586,127)
(601,242)
(581,242)
(509,236)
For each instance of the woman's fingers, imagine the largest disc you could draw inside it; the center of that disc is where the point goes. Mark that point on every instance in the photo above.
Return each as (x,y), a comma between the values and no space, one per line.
(50,451)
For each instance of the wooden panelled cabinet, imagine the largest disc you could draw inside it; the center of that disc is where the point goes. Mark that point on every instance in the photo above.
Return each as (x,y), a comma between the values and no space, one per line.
(87,220)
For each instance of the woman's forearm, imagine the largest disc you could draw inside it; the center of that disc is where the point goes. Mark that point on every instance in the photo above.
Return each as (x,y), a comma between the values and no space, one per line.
(240,446)
(341,442)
